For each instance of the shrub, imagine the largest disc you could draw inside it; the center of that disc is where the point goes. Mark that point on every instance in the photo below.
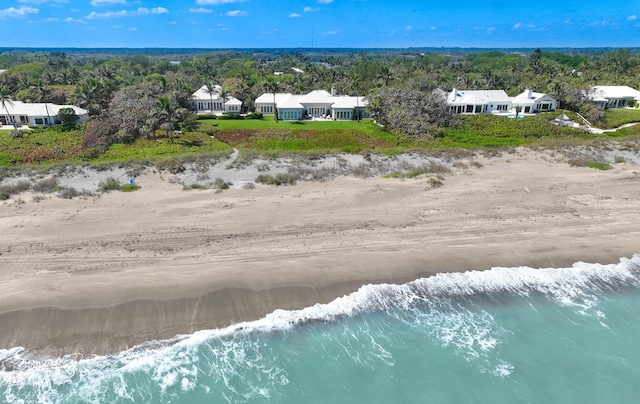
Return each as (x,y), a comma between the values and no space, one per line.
(108,185)
(227,117)
(221,184)
(206,116)
(46,185)
(599,166)
(129,187)
(254,115)
(279,179)
(9,159)
(69,193)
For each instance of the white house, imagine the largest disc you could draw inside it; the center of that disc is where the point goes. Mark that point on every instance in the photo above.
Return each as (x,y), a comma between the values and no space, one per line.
(36,114)
(316,104)
(265,103)
(497,102)
(531,102)
(209,100)
(478,101)
(613,96)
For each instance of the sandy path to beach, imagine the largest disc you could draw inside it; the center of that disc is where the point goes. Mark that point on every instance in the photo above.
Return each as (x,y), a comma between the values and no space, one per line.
(102,274)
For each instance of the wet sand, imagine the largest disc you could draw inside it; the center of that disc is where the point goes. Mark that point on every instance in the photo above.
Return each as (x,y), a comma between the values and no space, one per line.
(101,274)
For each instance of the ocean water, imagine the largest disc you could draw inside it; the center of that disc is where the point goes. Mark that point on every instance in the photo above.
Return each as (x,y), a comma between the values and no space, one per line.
(507,335)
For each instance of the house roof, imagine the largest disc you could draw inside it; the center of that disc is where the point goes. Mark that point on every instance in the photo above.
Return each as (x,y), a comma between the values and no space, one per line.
(37,109)
(349,102)
(291,102)
(318,97)
(203,94)
(477,97)
(267,98)
(525,98)
(600,93)
(233,101)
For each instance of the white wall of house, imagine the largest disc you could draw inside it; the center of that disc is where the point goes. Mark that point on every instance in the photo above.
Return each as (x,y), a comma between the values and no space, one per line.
(35,114)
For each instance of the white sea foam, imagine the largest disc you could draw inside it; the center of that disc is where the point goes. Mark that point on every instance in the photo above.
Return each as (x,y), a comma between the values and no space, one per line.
(443,307)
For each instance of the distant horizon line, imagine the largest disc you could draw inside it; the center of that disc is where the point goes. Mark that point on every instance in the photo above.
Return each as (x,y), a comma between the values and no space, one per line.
(411,48)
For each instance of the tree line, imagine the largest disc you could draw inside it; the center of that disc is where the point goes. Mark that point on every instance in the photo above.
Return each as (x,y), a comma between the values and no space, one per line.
(129,96)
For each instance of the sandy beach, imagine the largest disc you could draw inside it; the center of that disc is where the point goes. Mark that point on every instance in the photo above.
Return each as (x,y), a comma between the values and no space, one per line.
(101,274)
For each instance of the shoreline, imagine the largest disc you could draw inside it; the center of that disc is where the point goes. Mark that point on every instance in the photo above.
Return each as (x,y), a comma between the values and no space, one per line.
(99,275)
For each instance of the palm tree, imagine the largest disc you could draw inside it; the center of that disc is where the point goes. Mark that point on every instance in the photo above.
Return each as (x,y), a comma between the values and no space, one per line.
(384,75)
(41,95)
(211,89)
(271,85)
(167,114)
(5,99)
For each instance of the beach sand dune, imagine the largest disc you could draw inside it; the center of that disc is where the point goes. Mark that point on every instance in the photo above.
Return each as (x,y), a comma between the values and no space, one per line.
(100,274)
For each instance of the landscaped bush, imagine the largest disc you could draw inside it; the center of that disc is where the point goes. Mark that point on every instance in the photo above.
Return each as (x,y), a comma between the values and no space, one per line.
(228,117)
(254,115)
(206,116)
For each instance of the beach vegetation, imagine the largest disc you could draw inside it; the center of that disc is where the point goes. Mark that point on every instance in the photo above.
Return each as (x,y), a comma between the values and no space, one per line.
(129,187)
(616,117)
(278,179)
(599,166)
(46,185)
(221,184)
(109,184)
(195,185)
(139,103)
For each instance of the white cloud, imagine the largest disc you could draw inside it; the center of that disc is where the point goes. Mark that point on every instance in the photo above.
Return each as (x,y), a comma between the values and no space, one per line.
(173,22)
(13,12)
(311,9)
(133,29)
(200,10)
(325,1)
(69,19)
(433,28)
(126,13)
(600,23)
(490,30)
(107,2)
(236,13)
(632,17)
(329,33)
(294,15)
(521,25)
(408,28)
(217,2)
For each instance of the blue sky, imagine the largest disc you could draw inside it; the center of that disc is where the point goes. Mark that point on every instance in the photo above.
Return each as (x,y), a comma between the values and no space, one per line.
(321,23)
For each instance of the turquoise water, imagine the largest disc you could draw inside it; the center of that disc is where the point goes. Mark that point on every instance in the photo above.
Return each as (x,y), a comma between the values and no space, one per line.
(501,336)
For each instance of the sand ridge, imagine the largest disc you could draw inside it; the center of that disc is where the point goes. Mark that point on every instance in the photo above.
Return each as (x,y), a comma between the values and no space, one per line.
(101,274)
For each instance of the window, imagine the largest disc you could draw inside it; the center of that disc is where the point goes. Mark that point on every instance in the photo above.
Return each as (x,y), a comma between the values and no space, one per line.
(39,121)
